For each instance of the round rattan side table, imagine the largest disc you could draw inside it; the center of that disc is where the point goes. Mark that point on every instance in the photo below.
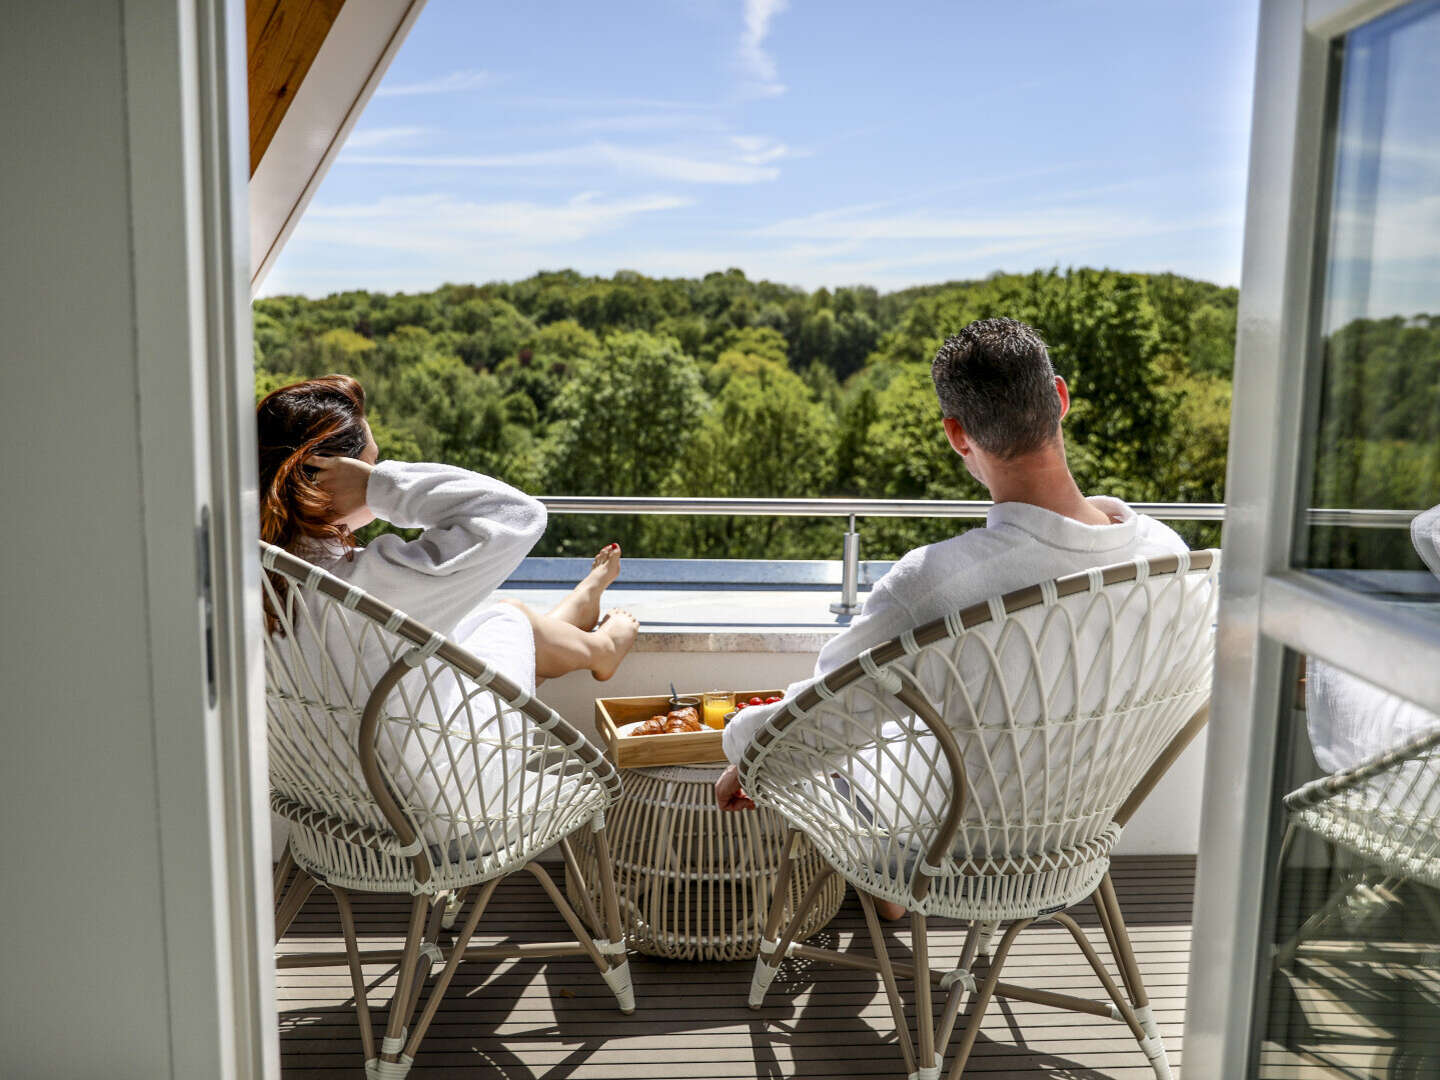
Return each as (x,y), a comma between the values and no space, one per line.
(695,882)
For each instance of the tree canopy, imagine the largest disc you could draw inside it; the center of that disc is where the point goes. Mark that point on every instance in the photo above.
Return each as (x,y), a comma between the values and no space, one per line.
(722,386)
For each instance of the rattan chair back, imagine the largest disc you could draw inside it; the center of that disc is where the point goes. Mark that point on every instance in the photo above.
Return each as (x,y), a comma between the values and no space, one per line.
(974,767)
(402,762)
(1385,810)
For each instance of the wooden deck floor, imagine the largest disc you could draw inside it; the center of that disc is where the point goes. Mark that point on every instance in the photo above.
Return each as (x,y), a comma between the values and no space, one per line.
(556,1019)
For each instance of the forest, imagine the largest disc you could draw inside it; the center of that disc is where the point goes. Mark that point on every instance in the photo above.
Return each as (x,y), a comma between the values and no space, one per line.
(721,386)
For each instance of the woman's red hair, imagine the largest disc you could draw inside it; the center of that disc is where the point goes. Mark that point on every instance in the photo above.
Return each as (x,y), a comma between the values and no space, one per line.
(319,416)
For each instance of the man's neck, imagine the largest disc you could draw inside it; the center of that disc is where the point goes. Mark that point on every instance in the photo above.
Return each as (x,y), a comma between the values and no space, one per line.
(1043,479)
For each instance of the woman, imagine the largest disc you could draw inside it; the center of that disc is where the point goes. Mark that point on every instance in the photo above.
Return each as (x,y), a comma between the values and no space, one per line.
(320,479)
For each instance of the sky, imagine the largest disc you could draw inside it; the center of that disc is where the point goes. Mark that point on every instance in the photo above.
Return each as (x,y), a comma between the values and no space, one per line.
(1384,235)
(809,142)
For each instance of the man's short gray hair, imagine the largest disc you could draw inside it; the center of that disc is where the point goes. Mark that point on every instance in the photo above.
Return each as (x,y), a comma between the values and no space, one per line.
(996,379)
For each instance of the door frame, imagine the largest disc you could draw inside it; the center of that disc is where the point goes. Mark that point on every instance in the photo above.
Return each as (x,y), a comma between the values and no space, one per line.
(187,126)
(1266,607)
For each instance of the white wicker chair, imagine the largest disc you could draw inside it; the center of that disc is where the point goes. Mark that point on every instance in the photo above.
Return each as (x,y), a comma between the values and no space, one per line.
(980,767)
(403,764)
(1386,813)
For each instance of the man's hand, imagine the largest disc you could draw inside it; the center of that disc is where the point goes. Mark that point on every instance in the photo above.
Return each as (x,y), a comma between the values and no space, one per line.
(345,480)
(728,793)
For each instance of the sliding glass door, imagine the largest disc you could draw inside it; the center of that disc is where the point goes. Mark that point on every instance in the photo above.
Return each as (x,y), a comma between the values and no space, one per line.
(1317,948)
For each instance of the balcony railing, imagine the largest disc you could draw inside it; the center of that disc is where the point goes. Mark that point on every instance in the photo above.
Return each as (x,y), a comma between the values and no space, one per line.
(854,509)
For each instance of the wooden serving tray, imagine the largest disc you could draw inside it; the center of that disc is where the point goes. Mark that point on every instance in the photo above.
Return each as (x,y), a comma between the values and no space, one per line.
(684,748)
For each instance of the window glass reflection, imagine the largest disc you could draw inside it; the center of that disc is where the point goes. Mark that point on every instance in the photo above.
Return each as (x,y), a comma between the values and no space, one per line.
(1354,960)
(1377,419)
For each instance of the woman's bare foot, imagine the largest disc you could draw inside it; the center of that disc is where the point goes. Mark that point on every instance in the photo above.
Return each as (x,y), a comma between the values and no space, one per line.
(620,628)
(582,606)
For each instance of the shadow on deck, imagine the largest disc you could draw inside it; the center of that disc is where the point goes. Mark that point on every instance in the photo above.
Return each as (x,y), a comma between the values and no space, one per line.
(556,1019)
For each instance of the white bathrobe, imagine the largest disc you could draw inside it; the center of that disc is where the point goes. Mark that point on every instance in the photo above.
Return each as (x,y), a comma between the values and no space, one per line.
(476,532)
(1350,720)
(1021,544)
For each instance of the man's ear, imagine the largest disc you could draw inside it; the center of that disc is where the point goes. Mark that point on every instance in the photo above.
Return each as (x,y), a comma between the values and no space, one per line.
(1064,392)
(956,434)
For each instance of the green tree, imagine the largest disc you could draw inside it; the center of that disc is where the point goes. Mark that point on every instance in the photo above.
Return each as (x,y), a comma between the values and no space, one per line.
(459,416)
(763,437)
(589,385)
(623,419)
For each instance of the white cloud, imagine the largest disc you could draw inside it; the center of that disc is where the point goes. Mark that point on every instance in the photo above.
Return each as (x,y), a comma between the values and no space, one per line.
(921,225)
(986,234)
(762,78)
(1397,229)
(759,149)
(446,225)
(603,104)
(455,82)
(751,163)
(372,137)
(664,121)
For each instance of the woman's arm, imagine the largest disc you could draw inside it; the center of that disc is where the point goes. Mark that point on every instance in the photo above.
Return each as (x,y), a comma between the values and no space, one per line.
(476,531)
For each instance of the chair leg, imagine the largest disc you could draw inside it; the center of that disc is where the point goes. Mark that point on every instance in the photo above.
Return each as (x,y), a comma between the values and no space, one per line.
(581,888)
(290,904)
(618,975)
(1151,1044)
(283,867)
(961,981)
(1285,954)
(393,1062)
(985,934)
(927,1054)
(765,970)
(887,977)
(357,973)
(617,978)
(983,996)
(457,953)
(429,954)
(453,907)
(1118,1000)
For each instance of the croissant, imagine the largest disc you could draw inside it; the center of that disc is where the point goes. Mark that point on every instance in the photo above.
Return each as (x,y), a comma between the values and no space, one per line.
(654,726)
(677,721)
(686,718)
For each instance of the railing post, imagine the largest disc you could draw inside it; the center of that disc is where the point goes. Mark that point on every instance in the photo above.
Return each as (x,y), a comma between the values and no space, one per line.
(850,574)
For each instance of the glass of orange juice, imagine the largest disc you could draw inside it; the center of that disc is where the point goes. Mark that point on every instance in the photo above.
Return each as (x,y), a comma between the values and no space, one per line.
(714,705)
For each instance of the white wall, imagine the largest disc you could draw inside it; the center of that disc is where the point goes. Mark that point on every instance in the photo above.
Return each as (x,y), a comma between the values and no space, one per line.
(1167,824)
(117,956)
(80,889)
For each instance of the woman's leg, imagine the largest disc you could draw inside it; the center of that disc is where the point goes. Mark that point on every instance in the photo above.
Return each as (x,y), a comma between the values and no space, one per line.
(562,647)
(581,608)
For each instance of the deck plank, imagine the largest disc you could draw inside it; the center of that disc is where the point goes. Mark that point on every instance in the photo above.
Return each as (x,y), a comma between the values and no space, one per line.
(556,1019)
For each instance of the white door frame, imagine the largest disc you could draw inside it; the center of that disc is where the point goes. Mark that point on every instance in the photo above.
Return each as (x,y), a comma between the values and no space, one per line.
(1266,606)
(188,130)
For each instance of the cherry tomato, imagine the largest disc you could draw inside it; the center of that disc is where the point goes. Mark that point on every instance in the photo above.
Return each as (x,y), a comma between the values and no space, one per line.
(742,705)
(771,700)
(756,701)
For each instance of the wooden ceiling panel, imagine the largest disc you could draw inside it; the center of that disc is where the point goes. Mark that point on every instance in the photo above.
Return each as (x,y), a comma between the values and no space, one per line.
(283,37)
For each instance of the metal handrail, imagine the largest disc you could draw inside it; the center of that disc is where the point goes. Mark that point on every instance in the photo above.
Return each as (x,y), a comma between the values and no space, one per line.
(926,508)
(849,602)
(932,508)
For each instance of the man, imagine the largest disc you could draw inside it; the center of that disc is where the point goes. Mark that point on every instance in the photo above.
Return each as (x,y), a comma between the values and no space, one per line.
(1002,405)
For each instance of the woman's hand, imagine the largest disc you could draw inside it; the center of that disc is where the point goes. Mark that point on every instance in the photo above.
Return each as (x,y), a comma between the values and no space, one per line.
(345,480)
(728,793)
